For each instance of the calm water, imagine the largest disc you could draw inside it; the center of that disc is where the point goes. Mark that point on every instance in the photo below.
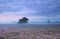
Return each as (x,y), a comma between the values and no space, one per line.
(37,26)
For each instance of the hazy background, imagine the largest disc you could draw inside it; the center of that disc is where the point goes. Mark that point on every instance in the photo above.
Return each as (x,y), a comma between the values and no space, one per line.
(35,10)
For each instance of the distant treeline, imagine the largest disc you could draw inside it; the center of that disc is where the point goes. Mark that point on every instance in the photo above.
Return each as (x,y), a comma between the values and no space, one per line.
(48,21)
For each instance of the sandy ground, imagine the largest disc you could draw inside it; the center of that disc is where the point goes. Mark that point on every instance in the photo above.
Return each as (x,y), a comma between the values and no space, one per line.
(30,31)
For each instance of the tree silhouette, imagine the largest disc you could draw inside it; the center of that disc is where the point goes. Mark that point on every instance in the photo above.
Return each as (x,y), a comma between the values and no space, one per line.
(23,20)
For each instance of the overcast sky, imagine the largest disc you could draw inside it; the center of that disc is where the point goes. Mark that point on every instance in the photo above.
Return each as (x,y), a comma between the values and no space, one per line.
(12,10)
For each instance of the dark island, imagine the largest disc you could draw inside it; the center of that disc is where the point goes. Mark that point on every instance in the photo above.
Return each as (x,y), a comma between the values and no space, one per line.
(23,20)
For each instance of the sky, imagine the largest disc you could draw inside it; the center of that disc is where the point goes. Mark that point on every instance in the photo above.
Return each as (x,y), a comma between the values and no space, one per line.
(42,10)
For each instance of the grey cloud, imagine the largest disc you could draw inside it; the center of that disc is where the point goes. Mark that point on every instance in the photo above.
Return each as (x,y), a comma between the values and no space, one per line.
(43,7)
